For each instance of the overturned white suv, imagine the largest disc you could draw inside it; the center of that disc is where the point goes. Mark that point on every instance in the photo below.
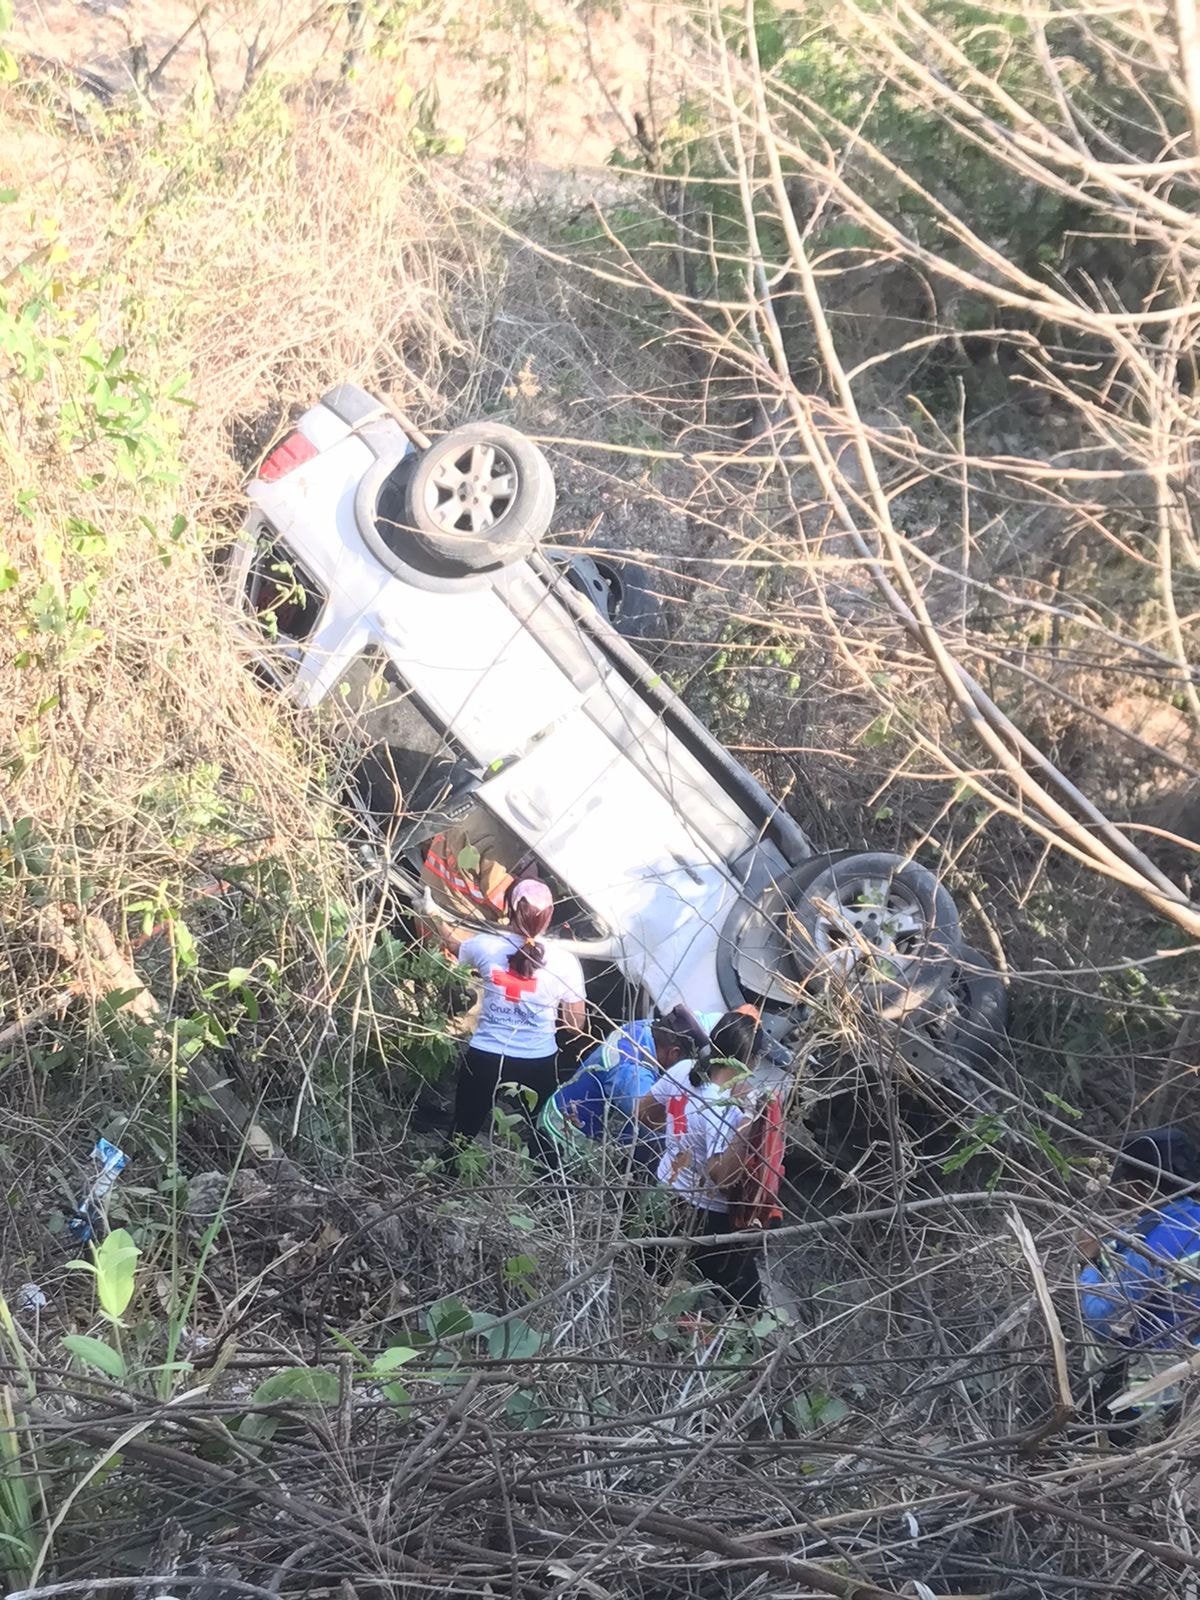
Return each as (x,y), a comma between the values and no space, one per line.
(518,691)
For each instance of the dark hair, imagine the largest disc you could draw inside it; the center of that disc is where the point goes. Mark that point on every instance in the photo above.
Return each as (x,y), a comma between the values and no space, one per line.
(737,1037)
(1165,1159)
(530,908)
(678,1030)
(528,959)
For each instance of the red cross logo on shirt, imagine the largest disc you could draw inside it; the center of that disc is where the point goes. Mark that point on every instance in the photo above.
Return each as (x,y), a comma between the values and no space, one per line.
(677,1111)
(513,984)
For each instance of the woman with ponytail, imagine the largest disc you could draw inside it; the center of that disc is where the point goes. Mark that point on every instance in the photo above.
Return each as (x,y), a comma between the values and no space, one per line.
(698,1106)
(529,986)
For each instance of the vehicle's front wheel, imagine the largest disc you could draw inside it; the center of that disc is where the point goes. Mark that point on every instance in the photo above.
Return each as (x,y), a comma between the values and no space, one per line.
(876,924)
(622,591)
(479,497)
(883,927)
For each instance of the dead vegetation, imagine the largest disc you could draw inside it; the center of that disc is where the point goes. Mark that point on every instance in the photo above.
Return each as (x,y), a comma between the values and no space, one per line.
(335,1375)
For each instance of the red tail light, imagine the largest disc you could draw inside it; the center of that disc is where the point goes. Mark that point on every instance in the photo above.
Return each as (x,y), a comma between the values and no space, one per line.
(286,457)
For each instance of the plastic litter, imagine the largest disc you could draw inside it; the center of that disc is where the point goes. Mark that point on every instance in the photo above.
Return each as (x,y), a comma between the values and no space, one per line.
(30,1297)
(82,1222)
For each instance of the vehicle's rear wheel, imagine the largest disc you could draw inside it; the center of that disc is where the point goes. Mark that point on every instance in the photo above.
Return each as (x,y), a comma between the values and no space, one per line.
(478,498)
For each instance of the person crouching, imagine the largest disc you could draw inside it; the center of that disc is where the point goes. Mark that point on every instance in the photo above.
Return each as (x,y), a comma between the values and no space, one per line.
(705,1129)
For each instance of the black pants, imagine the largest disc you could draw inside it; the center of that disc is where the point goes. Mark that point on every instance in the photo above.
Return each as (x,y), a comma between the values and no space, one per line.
(730,1268)
(478,1076)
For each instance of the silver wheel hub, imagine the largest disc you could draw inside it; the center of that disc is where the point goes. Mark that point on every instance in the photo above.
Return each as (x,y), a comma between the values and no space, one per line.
(471,492)
(872,922)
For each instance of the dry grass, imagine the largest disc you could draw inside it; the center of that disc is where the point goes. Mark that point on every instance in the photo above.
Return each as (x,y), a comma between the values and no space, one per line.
(269,254)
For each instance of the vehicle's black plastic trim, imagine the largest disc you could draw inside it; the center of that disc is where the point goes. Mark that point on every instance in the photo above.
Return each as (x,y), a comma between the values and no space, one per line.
(350,403)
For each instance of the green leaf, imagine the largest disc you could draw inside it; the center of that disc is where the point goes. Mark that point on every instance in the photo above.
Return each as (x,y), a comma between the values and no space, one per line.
(526,1409)
(769,1322)
(9,576)
(448,1318)
(513,1341)
(521,1222)
(116,1263)
(519,1271)
(397,1355)
(96,1354)
(293,1385)
(304,1385)
(683,1299)
(257,1429)
(1062,1105)
(815,1409)
(833,1410)
(1053,1154)
(185,944)
(519,1092)
(401,1400)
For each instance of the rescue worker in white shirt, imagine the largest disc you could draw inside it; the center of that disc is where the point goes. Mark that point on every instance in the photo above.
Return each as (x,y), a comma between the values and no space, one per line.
(529,987)
(598,1102)
(705,1130)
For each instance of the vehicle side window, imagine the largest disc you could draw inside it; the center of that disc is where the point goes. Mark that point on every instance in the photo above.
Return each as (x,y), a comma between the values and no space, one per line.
(283,596)
(573,919)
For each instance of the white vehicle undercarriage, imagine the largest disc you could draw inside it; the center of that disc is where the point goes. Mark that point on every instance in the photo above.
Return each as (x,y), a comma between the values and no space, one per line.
(686,877)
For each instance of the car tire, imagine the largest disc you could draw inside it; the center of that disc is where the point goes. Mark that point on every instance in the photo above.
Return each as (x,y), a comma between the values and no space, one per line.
(748,926)
(899,954)
(479,498)
(622,591)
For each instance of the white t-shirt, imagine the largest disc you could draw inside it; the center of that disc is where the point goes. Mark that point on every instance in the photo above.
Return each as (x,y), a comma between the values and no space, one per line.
(701,1123)
(519,1016)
